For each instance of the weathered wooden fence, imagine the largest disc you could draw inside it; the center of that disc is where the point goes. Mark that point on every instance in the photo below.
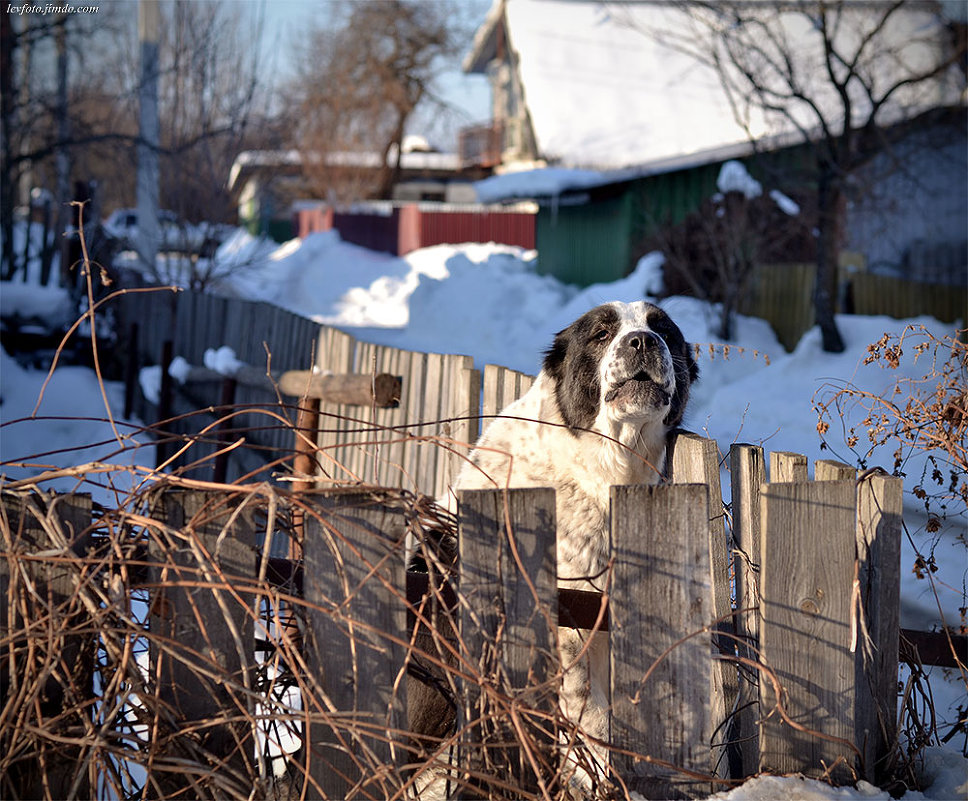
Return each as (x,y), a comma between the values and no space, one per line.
(442,396)
(770,648)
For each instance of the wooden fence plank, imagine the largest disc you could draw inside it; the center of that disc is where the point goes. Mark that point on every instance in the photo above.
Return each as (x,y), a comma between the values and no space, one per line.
(786,467)
(412,401)
(695,460)
(806,578)
(55,656)
(829,470)
(335,354)
(433,410)
(508,588)
(747,473)
(879,523)
(354,588)
(202,630)
(465,411)
(660,594)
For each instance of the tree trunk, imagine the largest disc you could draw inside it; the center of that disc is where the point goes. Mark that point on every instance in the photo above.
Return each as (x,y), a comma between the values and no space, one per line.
(830,202)
(390,173)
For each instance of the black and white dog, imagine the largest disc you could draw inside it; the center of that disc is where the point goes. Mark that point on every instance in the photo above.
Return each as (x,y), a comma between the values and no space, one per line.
(612,386)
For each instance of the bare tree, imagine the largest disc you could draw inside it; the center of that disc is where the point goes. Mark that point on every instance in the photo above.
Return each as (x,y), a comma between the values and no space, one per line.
(69,107)
(839,75)
(364,75)
(714,251)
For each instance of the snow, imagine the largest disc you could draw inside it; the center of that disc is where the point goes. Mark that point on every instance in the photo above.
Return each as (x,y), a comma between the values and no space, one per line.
(608,85)
(488,301)
(179,369)
(221,360)
(543,182)
(600,94)
(787,206)
(29,300)
(733,177)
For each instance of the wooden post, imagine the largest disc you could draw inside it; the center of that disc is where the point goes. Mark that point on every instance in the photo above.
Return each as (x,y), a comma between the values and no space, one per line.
(747,474)
(354,589)
(44,589)
(695,460)
(131,363)
(202,634)
(785,467)
(661,678)
(224,431)
(879,522)
(165,401)
(829,470)
(805,586)
(509,614)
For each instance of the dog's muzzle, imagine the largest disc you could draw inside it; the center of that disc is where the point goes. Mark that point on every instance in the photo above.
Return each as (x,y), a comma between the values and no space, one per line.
(641,370)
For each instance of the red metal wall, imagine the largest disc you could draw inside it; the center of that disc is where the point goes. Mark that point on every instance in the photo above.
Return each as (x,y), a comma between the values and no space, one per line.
(411,227)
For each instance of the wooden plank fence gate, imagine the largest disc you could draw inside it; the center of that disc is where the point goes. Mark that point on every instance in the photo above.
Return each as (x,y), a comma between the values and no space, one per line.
(771,649)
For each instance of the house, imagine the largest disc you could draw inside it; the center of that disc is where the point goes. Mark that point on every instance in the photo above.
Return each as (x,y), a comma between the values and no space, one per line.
(266,183)
(614,131)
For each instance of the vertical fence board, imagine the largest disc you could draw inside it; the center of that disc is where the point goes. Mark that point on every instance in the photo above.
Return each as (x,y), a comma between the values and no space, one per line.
(433,412)
(787,467)
(805,586)
(509,613)
(695,460)
(747,473)
(334,355)
(829,470)
(412,399)
(879,518)
(465,410)
(354,587)
(660,593)
(202,632)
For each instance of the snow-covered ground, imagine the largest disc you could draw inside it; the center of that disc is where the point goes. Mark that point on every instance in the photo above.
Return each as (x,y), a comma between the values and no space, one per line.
(487,301)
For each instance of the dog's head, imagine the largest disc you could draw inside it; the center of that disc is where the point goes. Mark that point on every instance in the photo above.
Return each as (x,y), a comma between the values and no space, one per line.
(626,360)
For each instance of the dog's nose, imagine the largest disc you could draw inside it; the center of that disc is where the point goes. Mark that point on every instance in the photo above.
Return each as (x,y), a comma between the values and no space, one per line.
(640,340)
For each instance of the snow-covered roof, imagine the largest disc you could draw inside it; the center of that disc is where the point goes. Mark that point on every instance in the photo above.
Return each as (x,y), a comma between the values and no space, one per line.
(603,93)
(409,160)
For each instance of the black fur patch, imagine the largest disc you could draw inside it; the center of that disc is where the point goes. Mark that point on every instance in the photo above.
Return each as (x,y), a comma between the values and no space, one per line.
(573,362)
(683,362)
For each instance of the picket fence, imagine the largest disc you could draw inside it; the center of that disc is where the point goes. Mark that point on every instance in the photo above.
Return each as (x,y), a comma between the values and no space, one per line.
(771,648)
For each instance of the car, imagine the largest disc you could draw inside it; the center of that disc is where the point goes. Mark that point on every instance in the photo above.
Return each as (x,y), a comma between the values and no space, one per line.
(175,234)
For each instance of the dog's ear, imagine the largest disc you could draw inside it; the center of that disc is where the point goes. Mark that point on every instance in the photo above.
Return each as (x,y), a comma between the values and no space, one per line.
(687,372)
(574,377)
(554,357)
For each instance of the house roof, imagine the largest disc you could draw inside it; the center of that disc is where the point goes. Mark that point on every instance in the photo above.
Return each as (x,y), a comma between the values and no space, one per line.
(604,94)
(290,161)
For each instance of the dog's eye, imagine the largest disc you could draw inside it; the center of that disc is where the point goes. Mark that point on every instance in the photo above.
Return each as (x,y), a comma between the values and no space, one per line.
(602,335)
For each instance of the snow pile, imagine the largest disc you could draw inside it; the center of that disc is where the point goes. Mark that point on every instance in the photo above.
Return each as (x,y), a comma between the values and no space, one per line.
(70,419)
(49,306)
(221,360)
(733,177)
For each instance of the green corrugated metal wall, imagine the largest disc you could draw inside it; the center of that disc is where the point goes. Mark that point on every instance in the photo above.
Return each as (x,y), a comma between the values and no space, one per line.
(600,240)
(585,244)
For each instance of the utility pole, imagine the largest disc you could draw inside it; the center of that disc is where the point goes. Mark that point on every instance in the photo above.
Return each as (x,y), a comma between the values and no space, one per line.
(149,233)
(63,162)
